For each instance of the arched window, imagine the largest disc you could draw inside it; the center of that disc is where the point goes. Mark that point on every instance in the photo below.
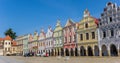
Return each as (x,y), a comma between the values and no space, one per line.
(86,25)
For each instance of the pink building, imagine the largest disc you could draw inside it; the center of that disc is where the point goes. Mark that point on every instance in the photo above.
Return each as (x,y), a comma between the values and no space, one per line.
(69,38)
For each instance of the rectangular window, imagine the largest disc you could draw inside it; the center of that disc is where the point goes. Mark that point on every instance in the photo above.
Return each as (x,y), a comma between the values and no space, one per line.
(112,33)
(93,35)
(74,37)
(8,49)
(65,39)
(110,18)
(104,34)
(70,39)
(81,36)
(87,36)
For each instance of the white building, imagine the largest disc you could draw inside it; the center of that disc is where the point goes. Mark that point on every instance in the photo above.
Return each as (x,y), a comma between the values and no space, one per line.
(49,41)
(109,30)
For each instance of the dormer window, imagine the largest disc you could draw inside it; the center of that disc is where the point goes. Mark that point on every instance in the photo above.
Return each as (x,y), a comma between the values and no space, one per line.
(110,19)
(86,25)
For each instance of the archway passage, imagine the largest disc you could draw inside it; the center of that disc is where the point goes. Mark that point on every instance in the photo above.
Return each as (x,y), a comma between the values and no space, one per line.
(76,52)
(90,51)
(62,52)
(96,51)
(49,53)
(52,53)
(82,51)
(104,51)
(113,50)
(67,52)
(72,52)
(58,52)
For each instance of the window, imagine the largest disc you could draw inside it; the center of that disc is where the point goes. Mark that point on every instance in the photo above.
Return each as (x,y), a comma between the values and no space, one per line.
(13,49)
(112,33)
(9,43)
(5,49)
(81,36)
(86,25)
(110,18)
(104,34)
(93,35)
(74,37)
(87,36)
(65,39)
(8,49)
(70,29)
(70,39)
(49,44)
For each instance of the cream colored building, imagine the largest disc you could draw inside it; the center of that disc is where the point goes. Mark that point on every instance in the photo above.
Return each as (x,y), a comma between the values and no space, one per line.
(87,35)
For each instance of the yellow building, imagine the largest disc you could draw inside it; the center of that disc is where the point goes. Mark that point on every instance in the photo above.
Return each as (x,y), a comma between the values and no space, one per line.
(87,35)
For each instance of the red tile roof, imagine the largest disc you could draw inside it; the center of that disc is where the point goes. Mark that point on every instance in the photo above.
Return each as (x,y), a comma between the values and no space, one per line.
(1,39)
(7,38)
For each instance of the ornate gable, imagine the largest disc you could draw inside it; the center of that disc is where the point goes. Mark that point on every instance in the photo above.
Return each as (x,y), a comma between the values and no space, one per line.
(69,22)
(58,26)
(42,34)
(88,21)
(49,33)
(35,37)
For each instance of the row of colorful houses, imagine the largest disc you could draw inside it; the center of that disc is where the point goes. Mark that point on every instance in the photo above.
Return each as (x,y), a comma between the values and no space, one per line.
(88,37)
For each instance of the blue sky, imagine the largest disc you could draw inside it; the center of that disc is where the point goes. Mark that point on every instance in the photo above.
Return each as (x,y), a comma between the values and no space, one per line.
(26,16)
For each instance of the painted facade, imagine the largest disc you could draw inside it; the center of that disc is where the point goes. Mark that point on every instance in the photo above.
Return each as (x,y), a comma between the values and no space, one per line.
(49,41)
(87,35)
(35,42)
(7,45)
(25,43)
(30,43)
(22,44)
(69,34)
(109,30)
(14,47)
(41,41)
(19,45)
(58,39)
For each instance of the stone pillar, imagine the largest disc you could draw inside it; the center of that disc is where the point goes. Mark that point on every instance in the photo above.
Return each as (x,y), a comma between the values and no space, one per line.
(74,52)
(64,53)
(118,50)
(109,52)
(69,52)
(100,52)
(79,54)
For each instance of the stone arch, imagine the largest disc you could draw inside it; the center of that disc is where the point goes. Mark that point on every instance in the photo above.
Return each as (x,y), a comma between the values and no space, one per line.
(96,50)
(76,52)
(62,52)
(90,51)
(52,52)
(72,52)
(113,50)
(104,50)
(82,51)
(67,52)
(49,53)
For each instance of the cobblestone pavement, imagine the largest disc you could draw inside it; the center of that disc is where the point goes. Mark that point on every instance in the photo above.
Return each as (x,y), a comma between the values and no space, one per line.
(4,59)
(66,59)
